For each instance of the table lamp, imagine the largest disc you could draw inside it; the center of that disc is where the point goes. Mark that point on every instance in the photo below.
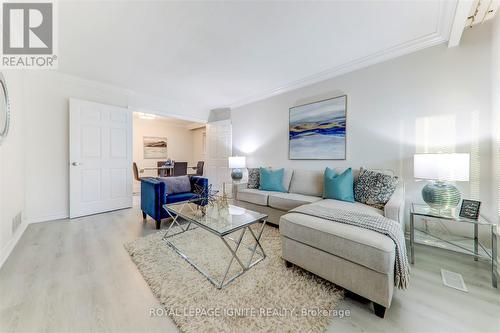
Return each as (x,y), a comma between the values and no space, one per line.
(441,168)
(236,163)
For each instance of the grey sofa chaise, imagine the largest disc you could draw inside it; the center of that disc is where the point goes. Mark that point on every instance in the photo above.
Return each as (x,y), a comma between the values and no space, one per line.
(357,259)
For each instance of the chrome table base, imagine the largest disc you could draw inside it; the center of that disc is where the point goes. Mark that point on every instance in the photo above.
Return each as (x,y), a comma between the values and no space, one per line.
(238,241)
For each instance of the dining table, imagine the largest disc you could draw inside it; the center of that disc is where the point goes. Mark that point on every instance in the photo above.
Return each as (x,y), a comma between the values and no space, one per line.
(167,168)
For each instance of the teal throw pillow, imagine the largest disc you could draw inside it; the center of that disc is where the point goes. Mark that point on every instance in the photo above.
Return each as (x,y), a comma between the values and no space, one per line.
(339,187)
(272,180)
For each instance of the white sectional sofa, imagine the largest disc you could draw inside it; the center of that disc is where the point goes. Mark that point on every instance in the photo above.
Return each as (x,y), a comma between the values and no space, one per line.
(360,260)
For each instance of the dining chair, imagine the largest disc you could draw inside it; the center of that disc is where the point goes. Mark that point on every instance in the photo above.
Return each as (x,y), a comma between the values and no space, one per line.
(180,168)
(136,172)
(199,169)
(161,172)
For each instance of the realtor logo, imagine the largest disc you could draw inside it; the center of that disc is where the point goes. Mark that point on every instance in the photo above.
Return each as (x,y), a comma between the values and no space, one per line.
(28,35)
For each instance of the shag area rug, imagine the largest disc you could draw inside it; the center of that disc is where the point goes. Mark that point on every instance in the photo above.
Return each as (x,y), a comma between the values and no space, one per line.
(267,298)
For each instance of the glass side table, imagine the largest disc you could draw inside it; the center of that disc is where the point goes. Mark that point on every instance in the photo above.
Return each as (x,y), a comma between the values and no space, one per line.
(426,211)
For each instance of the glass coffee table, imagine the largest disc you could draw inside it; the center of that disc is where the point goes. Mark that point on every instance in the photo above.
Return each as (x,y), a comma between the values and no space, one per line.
(224,224)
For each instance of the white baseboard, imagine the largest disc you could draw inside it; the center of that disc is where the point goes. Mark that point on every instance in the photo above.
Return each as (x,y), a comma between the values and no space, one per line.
(7,249)
(47,218)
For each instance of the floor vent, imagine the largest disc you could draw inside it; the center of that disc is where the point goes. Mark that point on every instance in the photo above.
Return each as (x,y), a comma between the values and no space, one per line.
(453,280)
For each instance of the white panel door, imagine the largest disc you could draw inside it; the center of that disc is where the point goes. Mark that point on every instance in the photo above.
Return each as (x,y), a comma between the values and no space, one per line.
(219,148)
(100,158)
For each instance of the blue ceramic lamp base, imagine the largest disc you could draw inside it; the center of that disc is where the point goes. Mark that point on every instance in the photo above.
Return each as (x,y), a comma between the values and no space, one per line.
(236,174)
(441,195)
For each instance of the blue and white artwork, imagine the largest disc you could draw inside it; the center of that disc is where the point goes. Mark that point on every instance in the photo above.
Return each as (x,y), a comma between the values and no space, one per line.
(318,130)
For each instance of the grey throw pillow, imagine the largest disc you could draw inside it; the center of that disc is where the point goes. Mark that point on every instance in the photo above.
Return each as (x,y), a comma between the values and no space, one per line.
(253,178)
(180,184)
(374,188)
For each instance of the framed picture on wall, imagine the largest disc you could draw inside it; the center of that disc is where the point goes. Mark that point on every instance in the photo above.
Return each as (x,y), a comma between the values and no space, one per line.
(317,131)
(155,147)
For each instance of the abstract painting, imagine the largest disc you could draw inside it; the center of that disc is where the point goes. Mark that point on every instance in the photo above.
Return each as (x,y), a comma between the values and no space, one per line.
(155,147)
(317,131)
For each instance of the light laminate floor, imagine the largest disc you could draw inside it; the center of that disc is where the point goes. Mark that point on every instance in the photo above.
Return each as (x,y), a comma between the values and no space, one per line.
(75,276)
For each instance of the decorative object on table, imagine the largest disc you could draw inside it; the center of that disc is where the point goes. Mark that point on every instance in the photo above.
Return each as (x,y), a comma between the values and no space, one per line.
(4,109)
(441,168)
(154,147)
(221,202)
(470,209)
(374,188)
(253,178)
(169,162)
(207,193)
(317,131)
(236,163)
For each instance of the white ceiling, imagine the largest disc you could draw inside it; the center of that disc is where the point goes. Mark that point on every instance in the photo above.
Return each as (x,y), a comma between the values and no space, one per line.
(176,122)
(212,54)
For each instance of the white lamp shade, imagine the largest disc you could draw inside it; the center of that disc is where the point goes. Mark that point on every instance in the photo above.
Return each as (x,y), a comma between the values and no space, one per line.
(446,167)
(236,162)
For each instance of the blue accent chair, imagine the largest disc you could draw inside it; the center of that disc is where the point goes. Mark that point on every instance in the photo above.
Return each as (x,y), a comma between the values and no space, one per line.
(154,196)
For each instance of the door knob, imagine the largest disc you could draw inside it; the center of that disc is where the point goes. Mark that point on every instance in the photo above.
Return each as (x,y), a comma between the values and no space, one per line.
(76,164)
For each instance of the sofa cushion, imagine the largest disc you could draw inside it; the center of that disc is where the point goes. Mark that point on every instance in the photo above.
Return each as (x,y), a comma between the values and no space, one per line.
(339,186)
(253,178)
(272,180)
(362,246)
(374,188)
(287,178)
(287,201)
(173,198)
(255,196)
(179,184)
(307,182)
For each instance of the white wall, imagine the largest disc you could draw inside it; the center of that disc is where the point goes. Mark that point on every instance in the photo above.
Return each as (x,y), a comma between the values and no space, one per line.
(12,187)
(45,128)
(390,105)
(495,94)
(199,151)
(495,98)
(47,138)
(179,141)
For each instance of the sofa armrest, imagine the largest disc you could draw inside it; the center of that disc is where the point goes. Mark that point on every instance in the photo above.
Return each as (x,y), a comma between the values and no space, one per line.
(202,182)
(394,208)
(241,186)
(237,187)
(153,196)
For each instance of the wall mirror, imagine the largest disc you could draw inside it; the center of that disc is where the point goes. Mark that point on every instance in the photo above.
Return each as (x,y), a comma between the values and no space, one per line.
(4,109)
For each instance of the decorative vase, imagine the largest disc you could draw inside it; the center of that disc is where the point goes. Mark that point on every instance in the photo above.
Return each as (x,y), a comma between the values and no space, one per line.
(441,195)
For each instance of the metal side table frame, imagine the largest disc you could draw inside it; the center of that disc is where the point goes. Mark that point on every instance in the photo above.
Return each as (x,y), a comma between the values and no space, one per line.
(224,237)
(475,252)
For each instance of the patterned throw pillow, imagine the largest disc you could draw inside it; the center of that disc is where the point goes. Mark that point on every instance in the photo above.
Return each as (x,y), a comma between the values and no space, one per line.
(253,178)
(374,188)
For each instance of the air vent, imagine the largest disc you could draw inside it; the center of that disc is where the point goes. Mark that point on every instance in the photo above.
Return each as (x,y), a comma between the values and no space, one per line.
(16,221)
(453,280)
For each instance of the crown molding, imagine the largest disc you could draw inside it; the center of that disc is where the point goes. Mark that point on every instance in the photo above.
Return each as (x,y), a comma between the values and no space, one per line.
(440,35)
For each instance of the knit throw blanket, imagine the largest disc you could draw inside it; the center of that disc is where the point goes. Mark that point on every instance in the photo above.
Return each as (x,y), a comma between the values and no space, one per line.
(376,223)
